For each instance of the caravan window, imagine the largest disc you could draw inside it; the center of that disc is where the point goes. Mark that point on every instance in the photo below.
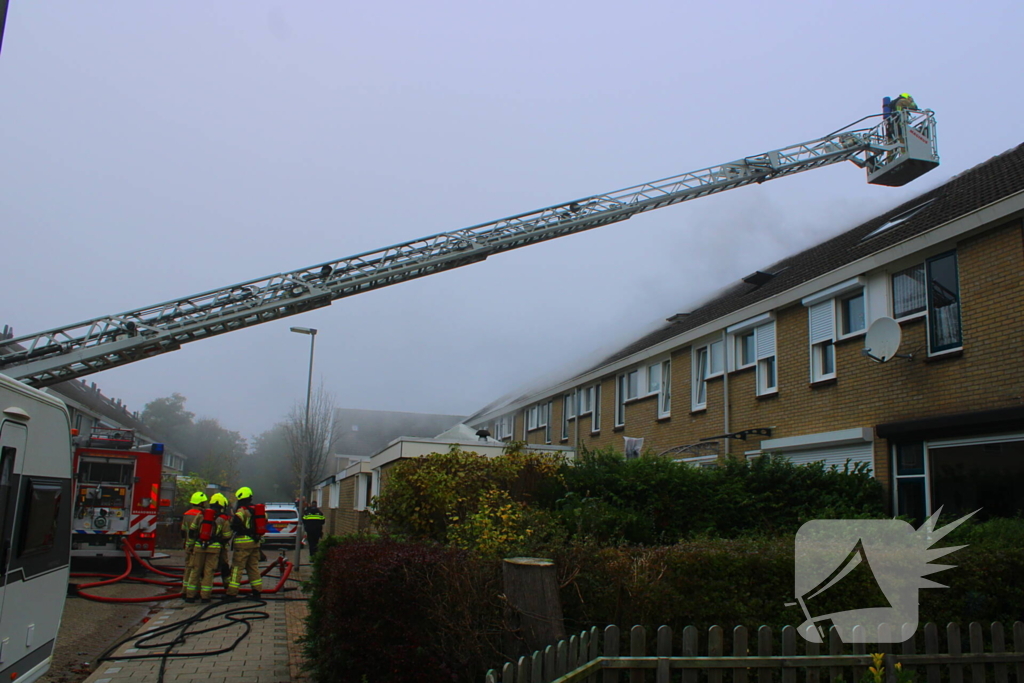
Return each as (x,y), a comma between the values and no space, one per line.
(7,455)
(40,514)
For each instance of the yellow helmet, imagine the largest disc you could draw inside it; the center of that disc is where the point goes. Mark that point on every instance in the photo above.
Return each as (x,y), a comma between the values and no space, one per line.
(219,499)
(198,498)
(244,492)
(907,95)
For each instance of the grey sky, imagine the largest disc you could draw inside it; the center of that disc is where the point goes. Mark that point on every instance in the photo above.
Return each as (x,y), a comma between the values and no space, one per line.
(153,150)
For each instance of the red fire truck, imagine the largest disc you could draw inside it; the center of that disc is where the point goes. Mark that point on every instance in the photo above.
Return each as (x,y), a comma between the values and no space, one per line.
(117,494)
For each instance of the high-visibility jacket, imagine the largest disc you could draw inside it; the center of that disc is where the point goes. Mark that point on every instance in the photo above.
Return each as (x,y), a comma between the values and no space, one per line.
(313,522)
(901,103)
(190,526)
(244,528)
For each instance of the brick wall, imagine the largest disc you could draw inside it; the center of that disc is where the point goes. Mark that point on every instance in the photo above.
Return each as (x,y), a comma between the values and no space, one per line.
(988,373)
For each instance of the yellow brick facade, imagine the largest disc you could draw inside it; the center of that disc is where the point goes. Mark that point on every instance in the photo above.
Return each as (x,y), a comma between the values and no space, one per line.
(987,373)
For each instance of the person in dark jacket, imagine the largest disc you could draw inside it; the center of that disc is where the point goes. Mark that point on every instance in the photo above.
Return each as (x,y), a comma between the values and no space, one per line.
(313,525)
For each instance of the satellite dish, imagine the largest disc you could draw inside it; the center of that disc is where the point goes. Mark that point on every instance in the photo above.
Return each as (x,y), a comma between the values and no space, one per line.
(882,340)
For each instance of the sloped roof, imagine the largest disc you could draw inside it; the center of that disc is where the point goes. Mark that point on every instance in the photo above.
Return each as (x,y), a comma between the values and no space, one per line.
(987,182)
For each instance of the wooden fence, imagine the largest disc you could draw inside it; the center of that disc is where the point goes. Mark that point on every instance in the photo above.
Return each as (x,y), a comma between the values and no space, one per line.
(585,658)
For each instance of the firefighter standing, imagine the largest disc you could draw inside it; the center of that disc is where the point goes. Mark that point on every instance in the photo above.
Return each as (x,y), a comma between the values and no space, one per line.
(190,532)
(313,525)
(214,533)
(904,102)
(246,555)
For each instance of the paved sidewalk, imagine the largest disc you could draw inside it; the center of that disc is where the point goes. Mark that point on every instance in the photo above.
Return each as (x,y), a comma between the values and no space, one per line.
(263,656)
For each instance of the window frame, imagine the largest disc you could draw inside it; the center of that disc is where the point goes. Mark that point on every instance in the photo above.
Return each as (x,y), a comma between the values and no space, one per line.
(699,385)
(840,314)
(913,313)
(665,394)
(767,364)
(934,350)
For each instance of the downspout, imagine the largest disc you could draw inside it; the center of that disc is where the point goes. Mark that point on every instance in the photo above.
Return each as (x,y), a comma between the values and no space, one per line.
(725,390)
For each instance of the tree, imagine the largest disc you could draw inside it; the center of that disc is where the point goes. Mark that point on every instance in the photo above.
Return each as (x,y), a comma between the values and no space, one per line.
(168,418)
(267,466)
(313,439)
(212,452)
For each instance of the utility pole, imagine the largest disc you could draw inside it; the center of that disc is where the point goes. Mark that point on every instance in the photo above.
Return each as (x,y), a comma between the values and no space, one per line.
(308,443)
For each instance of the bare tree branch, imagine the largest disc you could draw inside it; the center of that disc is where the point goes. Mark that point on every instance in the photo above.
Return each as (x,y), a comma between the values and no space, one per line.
(314,441)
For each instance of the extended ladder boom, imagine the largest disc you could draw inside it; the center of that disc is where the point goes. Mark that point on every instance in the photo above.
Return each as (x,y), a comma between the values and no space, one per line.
(894,152)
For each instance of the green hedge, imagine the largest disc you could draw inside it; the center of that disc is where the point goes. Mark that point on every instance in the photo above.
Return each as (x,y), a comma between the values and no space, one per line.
(393,611)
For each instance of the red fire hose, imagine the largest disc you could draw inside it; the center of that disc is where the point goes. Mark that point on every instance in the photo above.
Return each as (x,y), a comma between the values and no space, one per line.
(129,554)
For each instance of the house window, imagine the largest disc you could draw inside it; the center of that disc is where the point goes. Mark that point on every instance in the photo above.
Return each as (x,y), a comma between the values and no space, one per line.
(531,418)
(632,384)
(503,427)
(908,292)
(700,376)
(764,338)
(364,491)
(566,414)
(536,416)
(821,327)
(852,314)
(944,331)
(335,496)
(745,350)
(665,400)
(620,400)
(654,378)
(595,421)
(716,358)
(547,422)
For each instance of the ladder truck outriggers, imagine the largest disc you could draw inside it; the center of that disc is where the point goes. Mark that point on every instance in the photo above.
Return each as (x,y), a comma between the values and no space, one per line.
(117,494)
(894,151)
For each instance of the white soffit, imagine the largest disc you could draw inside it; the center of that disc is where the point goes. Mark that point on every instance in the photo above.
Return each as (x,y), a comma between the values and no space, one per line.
(819,440)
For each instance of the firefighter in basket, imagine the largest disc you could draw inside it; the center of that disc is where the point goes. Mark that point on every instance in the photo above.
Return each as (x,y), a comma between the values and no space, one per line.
(214,534)
(249,524)
(190,533)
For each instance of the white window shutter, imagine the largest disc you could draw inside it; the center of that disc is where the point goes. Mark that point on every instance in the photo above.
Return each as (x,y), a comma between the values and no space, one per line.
(821,321)
(764,338)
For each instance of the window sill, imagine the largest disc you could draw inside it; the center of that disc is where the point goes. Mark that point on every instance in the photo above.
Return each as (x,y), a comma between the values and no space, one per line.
(850,337)
(619,429)
(920,315)
(944,355)
(597,433)
(698,411)
(664,418)
(745,368)
(768,395)
(639,399)
(824,382)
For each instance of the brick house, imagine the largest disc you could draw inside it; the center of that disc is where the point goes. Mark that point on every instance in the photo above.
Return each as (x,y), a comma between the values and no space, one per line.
(775,363)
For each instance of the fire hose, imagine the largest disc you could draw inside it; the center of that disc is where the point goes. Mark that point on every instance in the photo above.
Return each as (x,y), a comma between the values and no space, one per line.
(130,554)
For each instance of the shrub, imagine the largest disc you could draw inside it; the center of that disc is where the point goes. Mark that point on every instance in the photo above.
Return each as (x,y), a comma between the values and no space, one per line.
(389,612)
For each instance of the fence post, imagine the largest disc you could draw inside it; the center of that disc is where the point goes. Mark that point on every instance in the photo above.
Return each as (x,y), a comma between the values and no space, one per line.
(491,677)
(859,648)
(764,649)
(637,648)
(508,673)
(739,649)
(537,668)
(664,672)
(1018,646)
(550,671)
(715,649)
(561,658)
(813,672)
(835,648)
(889,663)
(977,640)
(523,670)
(953,645)
(574,654)
(789,650)
(611,649)
(691,647)
(999,646)
(931,647)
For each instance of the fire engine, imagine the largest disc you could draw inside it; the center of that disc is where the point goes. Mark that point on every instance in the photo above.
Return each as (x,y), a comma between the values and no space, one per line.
(117,494)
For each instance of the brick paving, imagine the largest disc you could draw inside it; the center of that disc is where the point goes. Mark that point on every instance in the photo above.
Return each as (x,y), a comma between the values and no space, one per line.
(267,654)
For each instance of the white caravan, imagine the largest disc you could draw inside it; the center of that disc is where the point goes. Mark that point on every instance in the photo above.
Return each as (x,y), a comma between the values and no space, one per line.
(35,519)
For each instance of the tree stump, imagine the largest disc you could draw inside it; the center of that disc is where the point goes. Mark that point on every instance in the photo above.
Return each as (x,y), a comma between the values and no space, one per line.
(531,589)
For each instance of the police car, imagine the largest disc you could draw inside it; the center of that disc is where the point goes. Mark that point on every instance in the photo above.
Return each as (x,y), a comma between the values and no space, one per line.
(282,524)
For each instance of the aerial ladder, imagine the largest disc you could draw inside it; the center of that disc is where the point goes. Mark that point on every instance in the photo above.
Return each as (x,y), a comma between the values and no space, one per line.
(893,151)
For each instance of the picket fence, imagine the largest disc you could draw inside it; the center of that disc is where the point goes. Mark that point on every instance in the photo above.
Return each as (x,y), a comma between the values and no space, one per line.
(584,658)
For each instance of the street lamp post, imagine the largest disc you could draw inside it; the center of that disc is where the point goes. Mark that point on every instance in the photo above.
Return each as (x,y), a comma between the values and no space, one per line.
(302,467)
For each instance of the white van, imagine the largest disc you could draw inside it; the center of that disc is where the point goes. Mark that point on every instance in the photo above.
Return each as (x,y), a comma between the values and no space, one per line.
(282,525)
(35,519)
